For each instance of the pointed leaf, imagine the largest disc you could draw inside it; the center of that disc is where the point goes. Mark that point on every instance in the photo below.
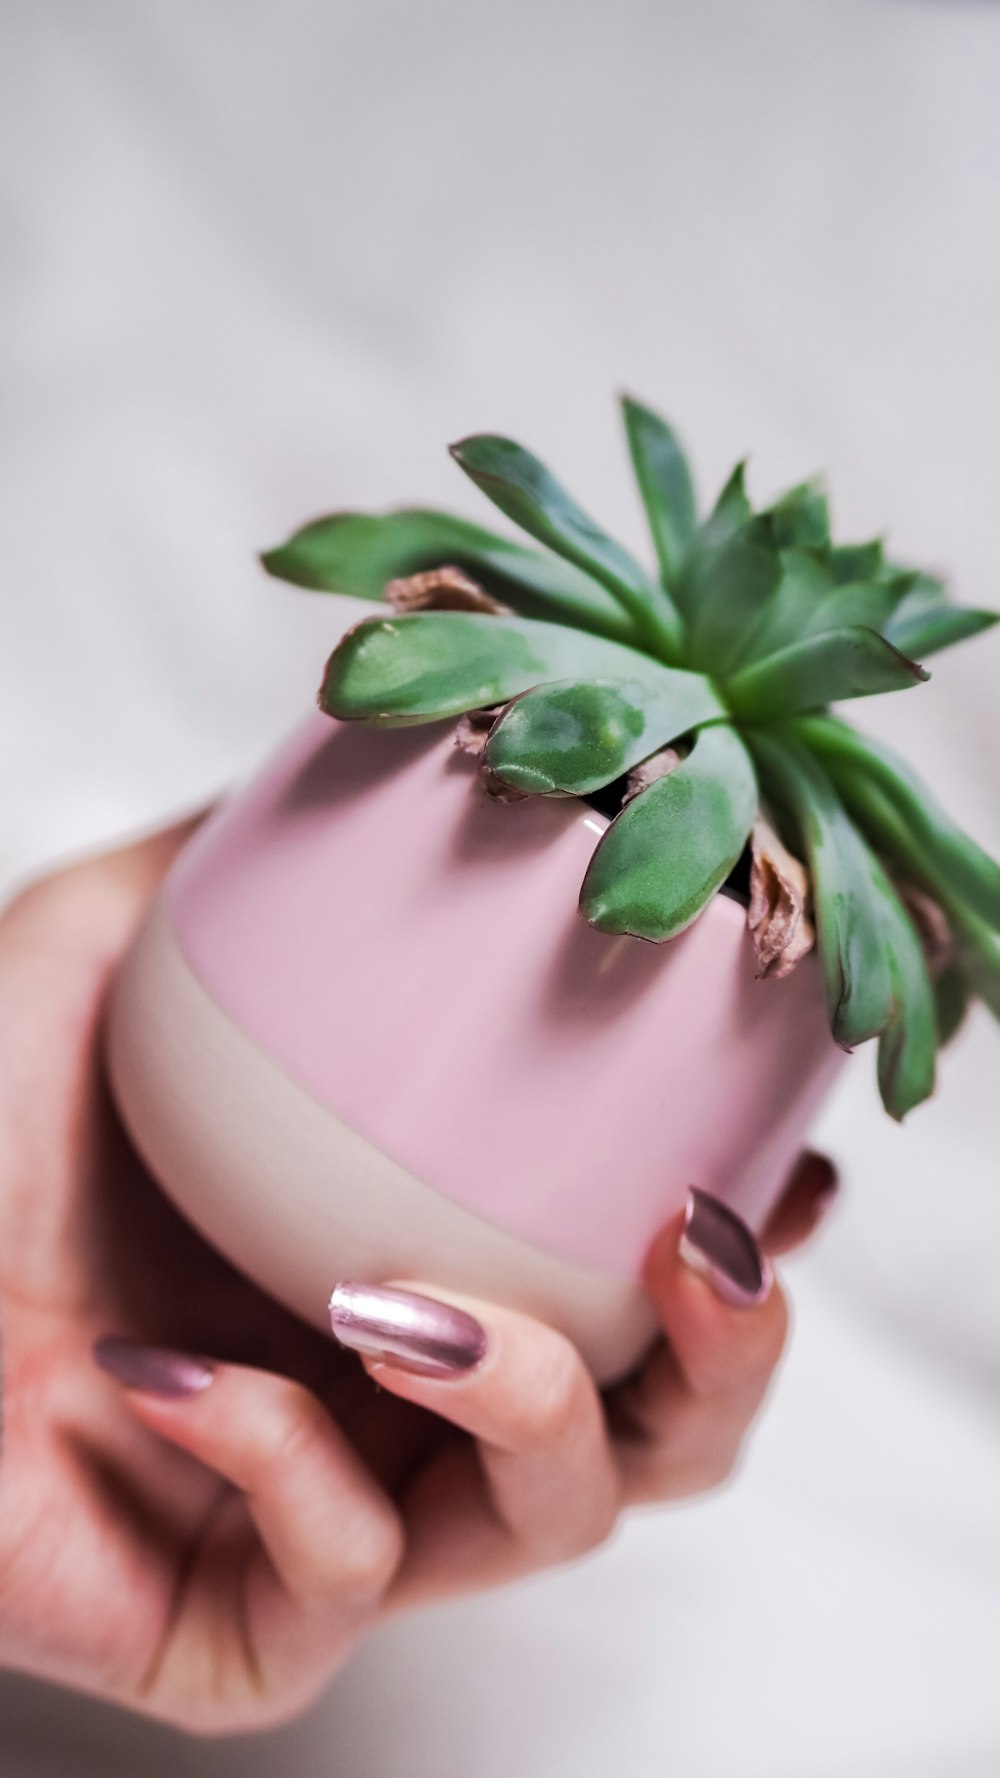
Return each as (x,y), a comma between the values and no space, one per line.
(847,891)
(725,593)
(951,1000)
(948,854)
(521,486)
(360,552)
(856,561)
(786,616)
(801,518)
(669,851)
(979,956)
(908,1046)
(849,663)
(977,947)
(664,478)
(574,736)
(730,513)
(928,631)
(430,664)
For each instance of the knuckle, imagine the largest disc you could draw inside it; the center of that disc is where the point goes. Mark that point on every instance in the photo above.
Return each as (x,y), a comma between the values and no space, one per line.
(583,1532)
(561,1394)
(370,1554)
(288,1420)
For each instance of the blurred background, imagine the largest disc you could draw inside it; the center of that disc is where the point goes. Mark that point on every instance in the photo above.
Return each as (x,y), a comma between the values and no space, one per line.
(260,260)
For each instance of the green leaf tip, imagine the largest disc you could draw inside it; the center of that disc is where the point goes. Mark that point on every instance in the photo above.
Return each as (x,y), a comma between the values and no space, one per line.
(670,850)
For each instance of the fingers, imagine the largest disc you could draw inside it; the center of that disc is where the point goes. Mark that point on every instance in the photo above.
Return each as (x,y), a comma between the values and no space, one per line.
(94,903)
(682,1418)
(332,1537)
(804,1204)
(541,1484)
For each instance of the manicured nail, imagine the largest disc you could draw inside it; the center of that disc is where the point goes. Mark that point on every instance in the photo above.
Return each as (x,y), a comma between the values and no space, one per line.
(717,1243)
(403,1328)
(152,1369)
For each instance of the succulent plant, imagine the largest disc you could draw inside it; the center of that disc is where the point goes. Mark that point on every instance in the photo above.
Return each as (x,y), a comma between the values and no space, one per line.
(693,704)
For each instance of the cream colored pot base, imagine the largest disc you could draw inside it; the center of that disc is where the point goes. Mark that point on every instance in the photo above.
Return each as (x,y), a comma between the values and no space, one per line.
(296,1198)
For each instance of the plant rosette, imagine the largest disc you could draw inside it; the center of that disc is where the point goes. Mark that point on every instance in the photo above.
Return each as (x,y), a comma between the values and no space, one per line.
(365,1031)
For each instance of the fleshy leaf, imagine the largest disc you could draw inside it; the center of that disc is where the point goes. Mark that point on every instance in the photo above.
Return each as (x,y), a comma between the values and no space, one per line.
(432,664)
(928,630)
(730,513)
(574,736)
(664,479)
(947,854)
(360,552)
(846,889)
(975,943)
(726,591)
(908,1045)
(785,618)
(670,850)
(979,956)
(856,561)
(951,1001)
(801,518)
(848,663)
(781,930)
(521,486)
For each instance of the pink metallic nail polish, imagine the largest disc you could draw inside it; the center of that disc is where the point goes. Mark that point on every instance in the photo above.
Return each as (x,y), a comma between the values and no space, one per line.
(718,1244)
(405,1329)
(152,1369)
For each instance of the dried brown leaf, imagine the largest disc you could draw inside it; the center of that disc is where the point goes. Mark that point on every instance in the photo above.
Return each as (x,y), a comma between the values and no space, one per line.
(472,730)
(658,765)
(932,925)
(443,589)
(777,917)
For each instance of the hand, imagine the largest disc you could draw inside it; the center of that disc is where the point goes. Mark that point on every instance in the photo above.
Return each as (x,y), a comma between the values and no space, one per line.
(207,1543)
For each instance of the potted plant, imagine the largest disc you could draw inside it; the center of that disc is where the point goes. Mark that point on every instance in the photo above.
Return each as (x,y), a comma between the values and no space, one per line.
(366,1032)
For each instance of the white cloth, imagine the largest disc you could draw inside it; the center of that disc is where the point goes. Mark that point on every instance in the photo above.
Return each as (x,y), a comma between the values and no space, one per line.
(263,259)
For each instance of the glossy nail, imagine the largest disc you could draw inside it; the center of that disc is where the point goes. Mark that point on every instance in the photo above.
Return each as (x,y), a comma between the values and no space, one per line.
(403,1328)
(152,1369)
(717,1243)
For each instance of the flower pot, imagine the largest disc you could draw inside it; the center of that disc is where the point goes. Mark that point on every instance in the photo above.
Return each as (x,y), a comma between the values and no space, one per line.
(365,1033)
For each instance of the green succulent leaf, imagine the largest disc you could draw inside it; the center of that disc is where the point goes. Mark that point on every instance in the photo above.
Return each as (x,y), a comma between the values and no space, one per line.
(979,956)
(948,857)
(856,561)
(924,621)
(951,1002)
(726,591)
(847,663)
(730,513)
(521,486)
(978,950)
(848,889)
(359,553)
(801,518)
(805,580)
(664,479)
(907,1048)
(669,851)
(431,664)
(572,737)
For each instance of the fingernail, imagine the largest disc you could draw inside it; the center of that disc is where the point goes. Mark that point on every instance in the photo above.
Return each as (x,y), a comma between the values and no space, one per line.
(717,1243)
(403,1328)
(152,1369)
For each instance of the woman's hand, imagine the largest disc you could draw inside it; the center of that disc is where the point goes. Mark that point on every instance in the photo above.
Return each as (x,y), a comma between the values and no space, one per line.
(204,1538)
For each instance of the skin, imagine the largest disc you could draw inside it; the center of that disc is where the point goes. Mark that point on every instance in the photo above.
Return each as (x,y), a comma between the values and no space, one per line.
(212,1561)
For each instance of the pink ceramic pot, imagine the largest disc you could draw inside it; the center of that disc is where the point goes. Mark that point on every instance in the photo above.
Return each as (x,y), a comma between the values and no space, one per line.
(365,1033)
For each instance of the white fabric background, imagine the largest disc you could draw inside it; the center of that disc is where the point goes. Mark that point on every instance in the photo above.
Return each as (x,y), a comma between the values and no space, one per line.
(261,259)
